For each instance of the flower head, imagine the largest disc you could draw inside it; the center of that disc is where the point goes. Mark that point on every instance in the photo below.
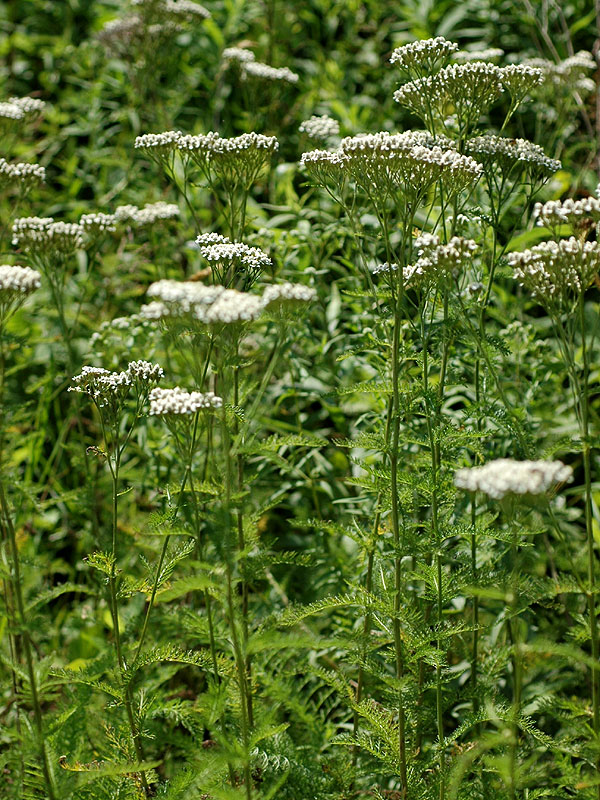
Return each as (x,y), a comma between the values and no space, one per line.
(111,390)
(16,284)
(148,215)
(507,153)
(557,272)
(423,57)
(230,259)
(320,128)
(464,90)
(178,402)
(580,214)
(24,176)
(45,239)
(30,106)
(254,69)
(238,55)
(503,477)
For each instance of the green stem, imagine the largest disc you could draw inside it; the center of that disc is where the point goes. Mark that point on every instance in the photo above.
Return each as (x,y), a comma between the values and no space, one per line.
(25,638)
(587,467)
(396,531)
(112,582)
(237,647)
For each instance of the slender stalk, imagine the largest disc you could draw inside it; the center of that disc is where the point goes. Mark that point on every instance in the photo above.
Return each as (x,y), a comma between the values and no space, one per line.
(396,531)
(587,468)
(112,583)
(237,646)
(26,641)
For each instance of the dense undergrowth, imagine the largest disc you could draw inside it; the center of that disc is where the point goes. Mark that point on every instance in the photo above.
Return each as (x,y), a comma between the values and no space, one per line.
(299,418)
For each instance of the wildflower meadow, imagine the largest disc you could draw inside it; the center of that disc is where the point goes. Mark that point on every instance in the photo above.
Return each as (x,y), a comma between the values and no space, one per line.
(299,405)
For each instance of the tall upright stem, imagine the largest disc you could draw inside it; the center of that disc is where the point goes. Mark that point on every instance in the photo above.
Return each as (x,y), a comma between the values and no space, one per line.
(396,531)
(238,649)
(33,685)
(112,583)
(587,469)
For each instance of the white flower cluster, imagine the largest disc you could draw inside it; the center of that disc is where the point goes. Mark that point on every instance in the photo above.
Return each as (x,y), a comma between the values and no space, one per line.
(325,166)
(578,213)
(158,145)
(254,69)
(435,261)
(466,89)
(21,173)
(17,281)
(555,271)
(177,401)
(211,305)
(242,144)
(478,55)
(177,298)
(508,152)
(408,160)
(98,223)
(568,74)
(30,106)
(11,111)
(519,79)
(320,128)
(109,389)
(504,476)
(239,54)
(43,236)
(178,9)
(422,56)
(148,215)
(122,29)
(287,295)
(232,306)
(219,249)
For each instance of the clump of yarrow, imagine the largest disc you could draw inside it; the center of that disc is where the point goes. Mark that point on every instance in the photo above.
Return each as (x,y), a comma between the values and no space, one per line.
(186,10)
(423,57)
(508,153)
(16,284)
(320,128)
(581,215)
(235,161)
(146,216)
(237,55)
(505,477)
(31,107)
(110,391)
(557,273)
(435,263)
(216,305)
(264,72)
(571,74)
(465,91)
(411,161)
(489,54)
(45,239)
(20,174)
(179,402)
(229,260)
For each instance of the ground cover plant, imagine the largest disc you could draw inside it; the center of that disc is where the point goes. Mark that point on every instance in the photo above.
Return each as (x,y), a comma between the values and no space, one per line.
(298,410)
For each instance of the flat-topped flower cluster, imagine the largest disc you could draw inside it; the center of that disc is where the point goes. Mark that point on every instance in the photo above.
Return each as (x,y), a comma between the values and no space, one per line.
(435,262)
(504,476)
(507,152)
(557,271)
(178,401)
(216,305)
(20,173)
(110,389)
